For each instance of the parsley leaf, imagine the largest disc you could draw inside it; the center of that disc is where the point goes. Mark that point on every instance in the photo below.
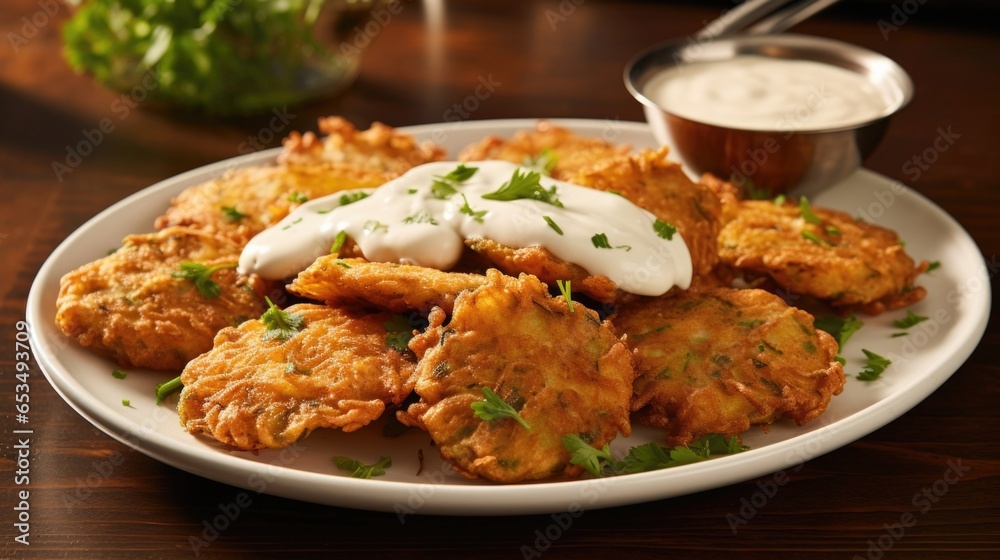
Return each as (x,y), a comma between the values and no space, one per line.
(933,266)
(126,402)
(467,210)
(553,224)
(876,365)
(840,328)
(399,332)
(664,230)
(593,460)
(648,457)
(201,275)
(371,226)
(460,174)
(815,238)
(118,374)
(525,185)
(298,198)
(281,325)
(544,162)
(779,200)
(351,198)
(600,240)
(361,470)
(421,217)
(164,388)
(807,212)
(338,242)
(495,408)
(566,290)
(910,320)
(442,190)
(232,214)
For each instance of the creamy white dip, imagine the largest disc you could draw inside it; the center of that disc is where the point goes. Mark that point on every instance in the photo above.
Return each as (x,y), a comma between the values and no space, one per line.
(408,220)
(762,93)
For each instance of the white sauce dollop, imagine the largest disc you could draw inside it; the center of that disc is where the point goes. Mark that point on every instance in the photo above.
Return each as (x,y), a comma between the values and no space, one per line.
(403,221)
(762,93)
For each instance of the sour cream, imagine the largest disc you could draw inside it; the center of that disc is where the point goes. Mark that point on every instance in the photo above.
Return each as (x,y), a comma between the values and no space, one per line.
(408,221)
(762,93)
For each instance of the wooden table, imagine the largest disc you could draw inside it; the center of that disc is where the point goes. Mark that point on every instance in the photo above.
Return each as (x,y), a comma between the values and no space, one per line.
(551,60)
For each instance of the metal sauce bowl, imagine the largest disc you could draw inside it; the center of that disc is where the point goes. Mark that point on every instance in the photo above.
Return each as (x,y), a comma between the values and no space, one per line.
(776,160)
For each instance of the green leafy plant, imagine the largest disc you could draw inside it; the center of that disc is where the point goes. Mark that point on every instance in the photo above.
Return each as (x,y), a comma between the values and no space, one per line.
(219,56)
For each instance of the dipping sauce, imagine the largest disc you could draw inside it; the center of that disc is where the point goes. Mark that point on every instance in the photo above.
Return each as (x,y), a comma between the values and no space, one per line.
(763,93)
(413,219)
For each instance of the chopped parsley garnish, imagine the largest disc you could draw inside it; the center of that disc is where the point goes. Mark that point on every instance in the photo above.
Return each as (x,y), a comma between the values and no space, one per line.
(342,264)
(232,214)
(544,162)
(899,334)
(910,320)
(201,275)
(126,402)
(815,238)
(553,224)
(467,210)
(525,185)
(460,174)
(298,198)
(399,332)
(351,198)
(281,325)
(779,200)
(442,190)
(118,374)
(165,388)
(371,226)
(664,230)
(600,240)
(361,470)
(338,242)
(567,293)
(933,266)
(831,230)
(421,217)
(876,365)
(840,328)
(495,408)
(444,187)
(807,212)
(648,457)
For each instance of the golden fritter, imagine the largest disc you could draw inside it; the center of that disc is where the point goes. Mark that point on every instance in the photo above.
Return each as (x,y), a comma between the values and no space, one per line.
(252,391)
(243,202)
(396,287)
(568,153)
(563,371)
(132,305)
(722,360)
(838,259)
(661,187)
(541,263)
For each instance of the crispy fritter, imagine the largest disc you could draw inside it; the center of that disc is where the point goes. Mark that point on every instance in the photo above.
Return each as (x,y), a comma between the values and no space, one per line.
(564,372)
(660,186)
(571,152)
(722,360)
(541,263)
(243,202)
(843,261)
(129,304)
(254,392)
(396,287)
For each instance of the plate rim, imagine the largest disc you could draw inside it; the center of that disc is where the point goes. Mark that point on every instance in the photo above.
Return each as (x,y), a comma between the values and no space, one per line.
(540,497)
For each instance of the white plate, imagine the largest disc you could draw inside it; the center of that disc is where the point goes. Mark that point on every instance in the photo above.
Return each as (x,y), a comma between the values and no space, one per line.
(958,303)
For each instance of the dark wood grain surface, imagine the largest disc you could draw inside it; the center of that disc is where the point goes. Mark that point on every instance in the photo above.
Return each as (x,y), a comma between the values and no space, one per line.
(846,504)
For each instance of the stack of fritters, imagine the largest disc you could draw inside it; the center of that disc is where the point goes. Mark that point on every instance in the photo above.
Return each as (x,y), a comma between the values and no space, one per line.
(132,304)
(711,359)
